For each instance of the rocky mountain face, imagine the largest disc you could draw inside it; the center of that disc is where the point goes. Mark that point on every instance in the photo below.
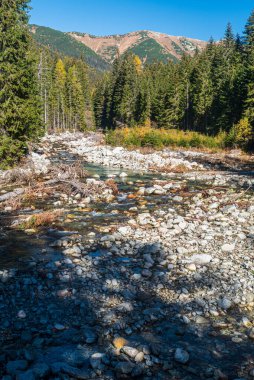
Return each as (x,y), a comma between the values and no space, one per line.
(100,52)
(148,45)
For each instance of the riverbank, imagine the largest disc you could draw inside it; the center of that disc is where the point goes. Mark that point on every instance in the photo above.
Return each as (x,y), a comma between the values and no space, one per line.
(92,147)
(148,276)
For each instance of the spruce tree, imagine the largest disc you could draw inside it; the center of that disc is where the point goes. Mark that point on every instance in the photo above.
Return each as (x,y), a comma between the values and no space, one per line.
(20,111)
(76,100)
(229,38)
(249,102)
(249,31)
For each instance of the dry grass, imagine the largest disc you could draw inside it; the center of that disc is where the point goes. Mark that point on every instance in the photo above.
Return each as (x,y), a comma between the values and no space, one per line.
(43,219)
(13,203)
(113,186)
(158,138)
(171,169)
(41,190)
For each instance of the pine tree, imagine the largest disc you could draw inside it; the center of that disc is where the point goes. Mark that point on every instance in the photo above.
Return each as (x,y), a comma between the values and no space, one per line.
(125,91)
(249,31)
(229,38)
(203,94)
(45,83)
(20,111)
(238,43)
(75,100)
(143,103)
(249,102)
(100,103)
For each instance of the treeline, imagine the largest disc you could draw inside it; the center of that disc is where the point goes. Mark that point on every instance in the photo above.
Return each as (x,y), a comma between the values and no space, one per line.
(211,93)
(39,90)
(64,92)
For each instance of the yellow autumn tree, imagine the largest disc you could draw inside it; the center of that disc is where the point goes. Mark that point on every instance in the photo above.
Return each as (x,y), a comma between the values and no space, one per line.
(60,73)
(59,95)
(138,63)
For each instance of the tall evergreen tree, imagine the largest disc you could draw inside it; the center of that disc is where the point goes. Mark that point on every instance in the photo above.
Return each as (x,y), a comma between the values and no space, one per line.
(249,31)
(229,38)
(249,102)
(75,100)
(20,111)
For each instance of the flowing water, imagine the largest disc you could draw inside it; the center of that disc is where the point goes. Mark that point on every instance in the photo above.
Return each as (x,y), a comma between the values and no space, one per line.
(17,246)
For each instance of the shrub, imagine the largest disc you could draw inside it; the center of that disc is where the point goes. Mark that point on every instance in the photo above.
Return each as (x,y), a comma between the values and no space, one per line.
(159,138)
(10,151)
(241,135)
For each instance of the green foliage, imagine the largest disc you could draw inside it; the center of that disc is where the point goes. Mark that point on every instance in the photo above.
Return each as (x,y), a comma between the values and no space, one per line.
(65,93)
(208,93)
(150,51)
(202,101)
(249,31)
(241,135)
(20,111)
(10,151)
(66,45)
(158,138)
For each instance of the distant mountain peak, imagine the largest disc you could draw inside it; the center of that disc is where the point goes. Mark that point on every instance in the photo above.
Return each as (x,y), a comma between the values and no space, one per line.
(160,44)
(101,51)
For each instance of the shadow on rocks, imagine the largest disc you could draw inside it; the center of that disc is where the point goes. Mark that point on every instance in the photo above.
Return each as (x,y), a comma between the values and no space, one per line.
(123,315)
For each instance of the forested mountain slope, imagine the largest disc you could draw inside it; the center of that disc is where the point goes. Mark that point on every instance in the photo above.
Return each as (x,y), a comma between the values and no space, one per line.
(67,45)
(100,52)
(148,45)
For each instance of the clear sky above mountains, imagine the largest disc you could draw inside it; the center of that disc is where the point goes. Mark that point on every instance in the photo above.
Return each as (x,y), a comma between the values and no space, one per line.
(192,18)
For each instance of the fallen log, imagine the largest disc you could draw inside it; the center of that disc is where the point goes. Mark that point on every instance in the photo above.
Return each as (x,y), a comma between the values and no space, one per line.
(12,194)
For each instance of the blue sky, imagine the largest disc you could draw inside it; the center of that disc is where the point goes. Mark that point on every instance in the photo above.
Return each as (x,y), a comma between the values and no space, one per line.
(192,18)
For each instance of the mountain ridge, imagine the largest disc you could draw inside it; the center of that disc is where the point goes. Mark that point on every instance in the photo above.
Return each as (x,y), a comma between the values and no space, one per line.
(101,51)
(64,44)
(109,46)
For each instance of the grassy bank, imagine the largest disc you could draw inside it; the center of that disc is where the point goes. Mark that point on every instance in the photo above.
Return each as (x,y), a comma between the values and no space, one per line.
(159,138)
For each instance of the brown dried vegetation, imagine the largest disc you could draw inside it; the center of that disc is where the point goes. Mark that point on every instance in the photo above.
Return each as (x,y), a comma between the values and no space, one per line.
(113,186)
(42,219)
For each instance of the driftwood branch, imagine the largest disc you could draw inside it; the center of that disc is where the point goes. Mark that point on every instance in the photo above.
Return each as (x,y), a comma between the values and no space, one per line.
(12,194)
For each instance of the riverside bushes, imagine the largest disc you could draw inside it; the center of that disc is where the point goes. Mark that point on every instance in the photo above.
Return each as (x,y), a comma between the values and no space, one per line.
(159,138)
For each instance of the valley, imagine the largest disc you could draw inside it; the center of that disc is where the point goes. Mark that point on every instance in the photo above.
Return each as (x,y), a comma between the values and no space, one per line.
(137,273)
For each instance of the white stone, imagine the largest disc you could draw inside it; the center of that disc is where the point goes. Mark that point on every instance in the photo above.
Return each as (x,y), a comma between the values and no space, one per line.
(225,303)
(228,248)
(123,175)
(130,351)
(201,259)
(21,314)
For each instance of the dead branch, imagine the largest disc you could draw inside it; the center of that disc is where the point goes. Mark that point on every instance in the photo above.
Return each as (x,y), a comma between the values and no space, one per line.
(12,194)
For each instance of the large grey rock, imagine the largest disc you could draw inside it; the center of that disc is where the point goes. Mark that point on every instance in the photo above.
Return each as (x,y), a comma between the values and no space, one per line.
(225,303)
(181,356)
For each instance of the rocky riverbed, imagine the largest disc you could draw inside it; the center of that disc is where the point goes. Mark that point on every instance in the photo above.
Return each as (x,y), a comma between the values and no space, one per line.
(148,276)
